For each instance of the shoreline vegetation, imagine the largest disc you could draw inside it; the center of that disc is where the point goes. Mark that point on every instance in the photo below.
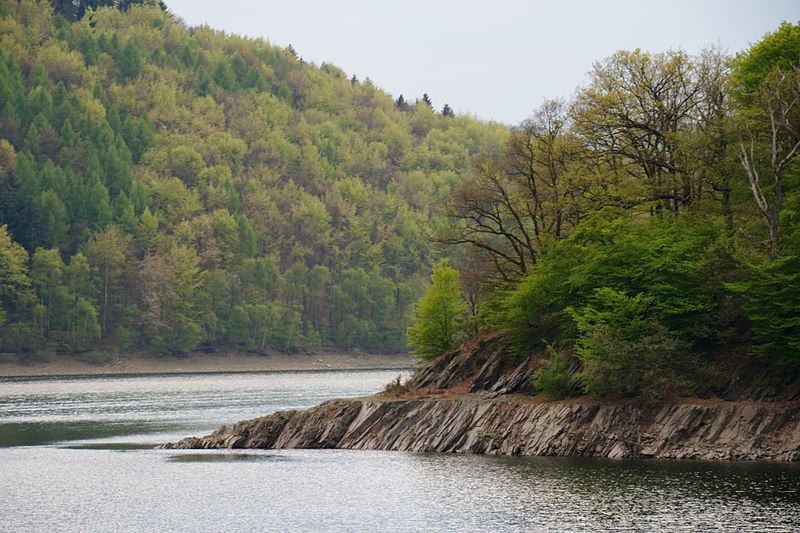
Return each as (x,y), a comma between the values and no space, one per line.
(173,190)
(198,362)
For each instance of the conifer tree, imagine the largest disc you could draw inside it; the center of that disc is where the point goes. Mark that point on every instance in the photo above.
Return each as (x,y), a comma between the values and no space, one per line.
(401,103)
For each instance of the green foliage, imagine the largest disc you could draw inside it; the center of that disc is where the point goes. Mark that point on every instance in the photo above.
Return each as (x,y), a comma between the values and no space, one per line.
(184,336)
(224,192)
(130,61)
(772,304)
(238,327)
(625,350)
(665,258)
(780,49)
(51,219)
(76,9)
(86,326)
(14,279)
(555,378)
(182,188)
(106,253)
(437,324)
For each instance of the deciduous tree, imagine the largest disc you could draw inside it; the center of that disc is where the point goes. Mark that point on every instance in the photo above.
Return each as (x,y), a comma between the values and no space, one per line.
(439,314)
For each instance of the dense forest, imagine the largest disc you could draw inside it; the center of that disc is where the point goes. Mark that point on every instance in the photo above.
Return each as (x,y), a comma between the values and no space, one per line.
(173,189)
(640,233)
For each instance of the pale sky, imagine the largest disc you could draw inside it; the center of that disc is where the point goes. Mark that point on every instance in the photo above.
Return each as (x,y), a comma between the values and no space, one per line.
(496,59)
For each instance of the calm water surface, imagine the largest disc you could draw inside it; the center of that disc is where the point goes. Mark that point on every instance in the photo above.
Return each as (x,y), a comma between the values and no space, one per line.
(76,455)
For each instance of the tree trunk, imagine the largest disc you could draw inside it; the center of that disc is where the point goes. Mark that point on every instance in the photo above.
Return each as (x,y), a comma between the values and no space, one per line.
(105,300)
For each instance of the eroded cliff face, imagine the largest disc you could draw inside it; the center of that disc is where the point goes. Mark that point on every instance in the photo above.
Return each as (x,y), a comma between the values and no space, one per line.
(477,401)
(518,426)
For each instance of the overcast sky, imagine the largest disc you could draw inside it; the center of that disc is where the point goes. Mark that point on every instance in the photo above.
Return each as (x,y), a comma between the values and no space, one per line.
(496,59)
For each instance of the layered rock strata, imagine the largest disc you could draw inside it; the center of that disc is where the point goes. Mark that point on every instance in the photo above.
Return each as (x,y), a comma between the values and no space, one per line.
(478,400)
(518,426)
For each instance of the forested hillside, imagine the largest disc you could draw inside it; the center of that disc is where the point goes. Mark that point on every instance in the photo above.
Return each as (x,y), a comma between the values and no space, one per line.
(644,235)
(177,188)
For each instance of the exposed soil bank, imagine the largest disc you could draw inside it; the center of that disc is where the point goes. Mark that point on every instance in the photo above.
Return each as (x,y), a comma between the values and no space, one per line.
(194,363)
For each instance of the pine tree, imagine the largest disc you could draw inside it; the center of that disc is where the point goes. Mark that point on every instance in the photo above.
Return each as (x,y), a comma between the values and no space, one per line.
(129,61)
(52,220)
(401,103)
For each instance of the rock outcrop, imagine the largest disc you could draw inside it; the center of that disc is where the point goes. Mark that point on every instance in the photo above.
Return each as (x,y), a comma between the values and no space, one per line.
(519,426)
(478,400)
(481,365)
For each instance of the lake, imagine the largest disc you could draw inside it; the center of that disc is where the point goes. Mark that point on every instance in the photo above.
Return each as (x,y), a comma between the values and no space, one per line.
(76,455)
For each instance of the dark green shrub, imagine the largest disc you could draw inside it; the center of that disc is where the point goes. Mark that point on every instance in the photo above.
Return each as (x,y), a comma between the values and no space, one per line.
(626,351)
(556,377)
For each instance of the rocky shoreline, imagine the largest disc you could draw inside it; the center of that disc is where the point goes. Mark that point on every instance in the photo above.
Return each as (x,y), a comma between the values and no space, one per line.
(475,402)
(476,424)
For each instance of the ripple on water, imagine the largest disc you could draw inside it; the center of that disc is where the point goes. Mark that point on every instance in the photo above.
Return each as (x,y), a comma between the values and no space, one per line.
(79,456)
(225,457)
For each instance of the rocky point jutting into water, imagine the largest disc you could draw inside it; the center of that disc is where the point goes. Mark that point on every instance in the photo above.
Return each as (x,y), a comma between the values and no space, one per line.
(474,401)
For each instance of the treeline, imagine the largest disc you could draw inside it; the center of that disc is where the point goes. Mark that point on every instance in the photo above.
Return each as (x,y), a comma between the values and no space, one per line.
(76,9)
(177,189)
(641,233)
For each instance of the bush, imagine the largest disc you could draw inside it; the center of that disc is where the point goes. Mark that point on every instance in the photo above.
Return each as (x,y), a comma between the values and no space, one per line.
(556,379)
(772,304)
(664,257)
(625,351)
(42,356)
(186,335)
(396,387)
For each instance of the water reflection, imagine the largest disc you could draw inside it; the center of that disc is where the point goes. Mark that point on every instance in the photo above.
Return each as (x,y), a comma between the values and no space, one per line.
(40,433)
(79,457)
(226,457)
(116,446)
(49,410)
(569,494)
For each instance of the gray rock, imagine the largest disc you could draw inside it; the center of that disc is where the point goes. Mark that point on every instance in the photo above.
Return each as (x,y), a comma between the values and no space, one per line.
(519,426)
(495,414)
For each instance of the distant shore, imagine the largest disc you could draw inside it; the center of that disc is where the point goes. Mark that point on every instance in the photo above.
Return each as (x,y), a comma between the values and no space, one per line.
(64,365)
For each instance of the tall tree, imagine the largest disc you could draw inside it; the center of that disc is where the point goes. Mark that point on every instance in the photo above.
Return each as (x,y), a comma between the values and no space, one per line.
(633,111)
(767,89)
(439,314)
(14,279)
(526,198)
(707,147)
(489,214)
(776,106)
(107,253)
(401,103)
(47,274)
